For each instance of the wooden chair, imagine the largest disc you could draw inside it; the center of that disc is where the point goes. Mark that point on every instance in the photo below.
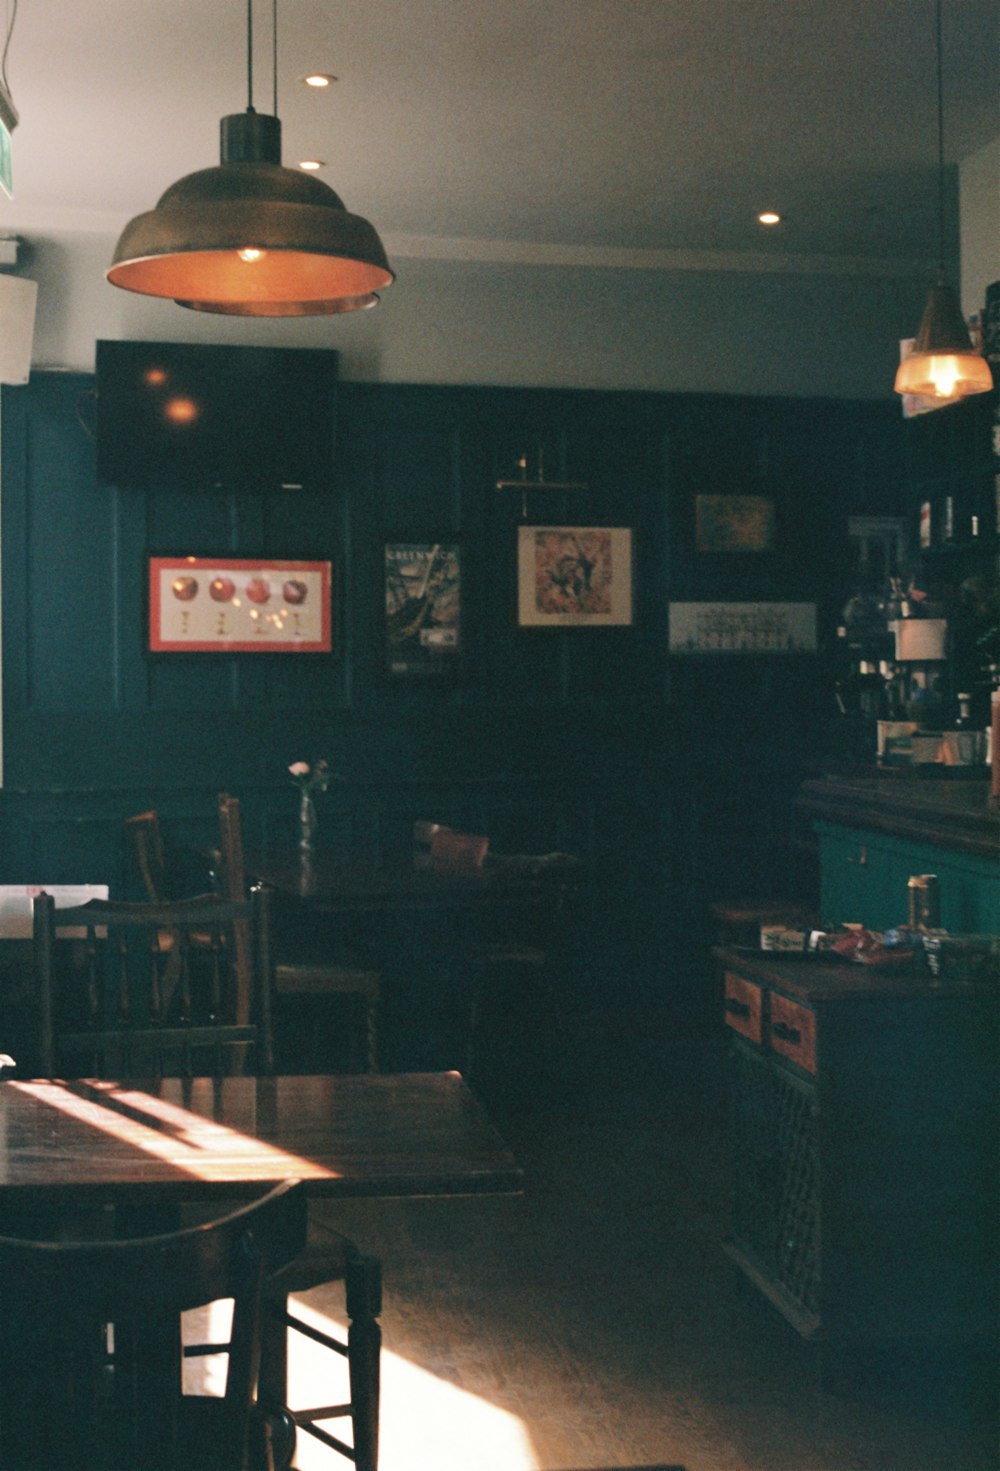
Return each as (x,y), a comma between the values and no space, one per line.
(519,955)
(445,850)
(118,1031)
(91,1350)
(329,1257)
(129,1008)
(144,846)
(518,937)
(309,971)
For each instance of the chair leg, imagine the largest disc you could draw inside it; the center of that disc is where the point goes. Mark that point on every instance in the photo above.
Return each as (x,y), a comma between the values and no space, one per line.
(364,1342)
(363,1283)
(273,1375)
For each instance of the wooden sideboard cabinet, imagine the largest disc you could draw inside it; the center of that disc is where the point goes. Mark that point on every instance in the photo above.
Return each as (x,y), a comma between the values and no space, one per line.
(865,1156)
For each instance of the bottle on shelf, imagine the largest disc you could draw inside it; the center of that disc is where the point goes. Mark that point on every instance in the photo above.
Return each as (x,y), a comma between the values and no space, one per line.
(964,744)
(924,901)
(892,682)
(995,749)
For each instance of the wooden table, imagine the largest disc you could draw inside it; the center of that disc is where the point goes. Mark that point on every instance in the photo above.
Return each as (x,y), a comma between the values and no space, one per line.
(143,1143)
(336,884)
(421,928)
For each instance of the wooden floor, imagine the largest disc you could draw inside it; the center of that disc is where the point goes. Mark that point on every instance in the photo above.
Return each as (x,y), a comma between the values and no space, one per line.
(594,1322)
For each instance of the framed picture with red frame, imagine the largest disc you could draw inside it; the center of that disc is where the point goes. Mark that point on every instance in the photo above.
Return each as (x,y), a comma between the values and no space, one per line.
(239,605)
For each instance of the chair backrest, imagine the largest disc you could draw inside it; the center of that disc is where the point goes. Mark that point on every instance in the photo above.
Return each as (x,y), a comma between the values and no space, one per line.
(436,846)
(232,879)
(453,852)
(232,870)
(144,846)
(74,1395)
(153,989)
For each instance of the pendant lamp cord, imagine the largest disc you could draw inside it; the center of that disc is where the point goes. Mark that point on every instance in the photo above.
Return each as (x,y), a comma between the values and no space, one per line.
(250,56)
(274,53)
(940,112)
(6,46)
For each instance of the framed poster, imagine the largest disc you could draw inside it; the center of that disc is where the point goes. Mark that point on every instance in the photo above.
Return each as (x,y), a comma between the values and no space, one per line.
(734,523)
(423,608)
(574,577)
(742,628)
(238,605)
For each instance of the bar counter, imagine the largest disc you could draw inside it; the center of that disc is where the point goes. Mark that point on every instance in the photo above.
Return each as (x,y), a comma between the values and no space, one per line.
(947,813)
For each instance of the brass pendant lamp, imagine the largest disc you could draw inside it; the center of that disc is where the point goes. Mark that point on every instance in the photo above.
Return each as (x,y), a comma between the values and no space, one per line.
(251,238)
(943,363)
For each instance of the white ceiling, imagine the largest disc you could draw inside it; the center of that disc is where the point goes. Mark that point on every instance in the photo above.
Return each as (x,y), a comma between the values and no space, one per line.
(472,126)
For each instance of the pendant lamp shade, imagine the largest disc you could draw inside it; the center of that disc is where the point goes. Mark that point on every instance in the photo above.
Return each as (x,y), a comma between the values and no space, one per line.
(251,238)
(943,362)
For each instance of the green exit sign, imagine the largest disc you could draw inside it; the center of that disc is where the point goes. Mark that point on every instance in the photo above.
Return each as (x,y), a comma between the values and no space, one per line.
(6,162)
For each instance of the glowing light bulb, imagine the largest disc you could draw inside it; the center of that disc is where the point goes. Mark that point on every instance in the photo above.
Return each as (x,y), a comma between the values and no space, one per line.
(944,373)
(769,217)
(181,410)
(250,253)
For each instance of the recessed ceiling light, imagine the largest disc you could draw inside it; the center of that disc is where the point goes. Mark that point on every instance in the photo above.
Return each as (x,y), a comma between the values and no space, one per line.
(769,217)
(312,164)
(318,79)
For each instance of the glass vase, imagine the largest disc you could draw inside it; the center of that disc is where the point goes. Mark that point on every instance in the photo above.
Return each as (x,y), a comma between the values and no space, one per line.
(307,823)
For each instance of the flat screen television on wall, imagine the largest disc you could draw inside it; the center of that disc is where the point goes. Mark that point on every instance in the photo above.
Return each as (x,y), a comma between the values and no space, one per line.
(214,417)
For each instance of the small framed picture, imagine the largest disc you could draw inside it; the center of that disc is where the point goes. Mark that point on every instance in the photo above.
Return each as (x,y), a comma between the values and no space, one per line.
(574,577)
(734,523)
(742,628)
(239,605)
(423,608)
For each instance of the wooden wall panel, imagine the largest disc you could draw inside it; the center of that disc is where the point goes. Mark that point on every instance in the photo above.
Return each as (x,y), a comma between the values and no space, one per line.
(590,741)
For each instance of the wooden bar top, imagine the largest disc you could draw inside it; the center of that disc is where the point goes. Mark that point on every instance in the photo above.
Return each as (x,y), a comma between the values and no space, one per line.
(947,814)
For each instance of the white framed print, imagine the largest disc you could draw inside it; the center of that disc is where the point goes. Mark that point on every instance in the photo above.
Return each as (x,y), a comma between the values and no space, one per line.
(574,577)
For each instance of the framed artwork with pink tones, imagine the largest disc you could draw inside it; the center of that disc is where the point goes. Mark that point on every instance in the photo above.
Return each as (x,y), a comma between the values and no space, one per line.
(574,577)
(239,605)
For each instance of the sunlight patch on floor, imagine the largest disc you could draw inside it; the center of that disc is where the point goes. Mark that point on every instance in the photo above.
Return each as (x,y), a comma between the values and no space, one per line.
(425,1420)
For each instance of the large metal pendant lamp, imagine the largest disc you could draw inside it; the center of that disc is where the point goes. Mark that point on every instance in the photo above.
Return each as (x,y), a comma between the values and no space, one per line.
(251,238)
(943,363)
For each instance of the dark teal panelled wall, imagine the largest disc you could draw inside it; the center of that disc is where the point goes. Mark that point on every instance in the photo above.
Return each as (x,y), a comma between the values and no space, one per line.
(592,740)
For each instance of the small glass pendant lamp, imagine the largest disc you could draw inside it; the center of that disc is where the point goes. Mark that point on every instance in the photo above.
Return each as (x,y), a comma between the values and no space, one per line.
(943,363)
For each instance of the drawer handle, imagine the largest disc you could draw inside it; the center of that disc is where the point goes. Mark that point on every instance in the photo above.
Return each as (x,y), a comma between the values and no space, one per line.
(736,1008)
(785,1032)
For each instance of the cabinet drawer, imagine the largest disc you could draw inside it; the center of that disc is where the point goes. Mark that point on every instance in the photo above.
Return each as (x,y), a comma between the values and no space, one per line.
(743,1006)
(792,1032)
